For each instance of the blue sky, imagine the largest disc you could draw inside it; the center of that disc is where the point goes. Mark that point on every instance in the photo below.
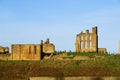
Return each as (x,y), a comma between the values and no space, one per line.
(29,21)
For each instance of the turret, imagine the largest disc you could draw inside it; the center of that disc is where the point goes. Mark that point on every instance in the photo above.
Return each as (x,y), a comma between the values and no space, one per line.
(87,31)
(94,30)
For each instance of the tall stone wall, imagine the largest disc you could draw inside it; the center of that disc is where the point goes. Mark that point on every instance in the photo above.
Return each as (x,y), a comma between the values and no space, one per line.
(48,47)
(26,52)
(87,42)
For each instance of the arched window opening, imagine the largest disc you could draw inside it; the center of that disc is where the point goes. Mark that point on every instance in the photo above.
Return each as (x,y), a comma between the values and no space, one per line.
(81,43)
(86,45)
(90,44)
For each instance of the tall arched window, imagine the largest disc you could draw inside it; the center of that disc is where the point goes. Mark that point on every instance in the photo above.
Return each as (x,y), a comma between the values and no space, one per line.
(81,43)
(86,45)
(90,44)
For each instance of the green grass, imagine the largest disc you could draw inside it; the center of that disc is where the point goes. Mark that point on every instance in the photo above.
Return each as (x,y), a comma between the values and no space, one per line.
(109,65)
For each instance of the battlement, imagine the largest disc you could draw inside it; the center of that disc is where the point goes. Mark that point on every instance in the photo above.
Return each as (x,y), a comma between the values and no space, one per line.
(94,30)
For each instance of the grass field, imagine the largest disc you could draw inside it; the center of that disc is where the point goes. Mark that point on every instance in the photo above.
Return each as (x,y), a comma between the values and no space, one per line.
(102,65)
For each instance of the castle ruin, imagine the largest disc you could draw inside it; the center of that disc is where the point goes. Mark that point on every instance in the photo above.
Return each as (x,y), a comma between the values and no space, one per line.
(31,51)
(85,42)
(88,42)
(4,50)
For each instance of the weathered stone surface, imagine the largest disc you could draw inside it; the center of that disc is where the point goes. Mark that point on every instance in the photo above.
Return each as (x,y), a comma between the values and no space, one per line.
(88,42)
(4,49)
(31,51)
(81,58)
(102,50)
(26,52)
(48,47)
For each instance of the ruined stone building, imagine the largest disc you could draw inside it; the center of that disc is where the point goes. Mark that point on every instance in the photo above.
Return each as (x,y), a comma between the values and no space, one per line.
(48,47)
(88,42)
(4,50)
(31,51)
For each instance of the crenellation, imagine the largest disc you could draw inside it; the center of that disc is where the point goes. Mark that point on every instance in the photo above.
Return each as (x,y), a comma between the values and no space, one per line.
(102,50)
(26,52)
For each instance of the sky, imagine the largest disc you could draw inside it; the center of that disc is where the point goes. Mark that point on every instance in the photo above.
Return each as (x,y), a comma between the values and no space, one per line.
(30,21)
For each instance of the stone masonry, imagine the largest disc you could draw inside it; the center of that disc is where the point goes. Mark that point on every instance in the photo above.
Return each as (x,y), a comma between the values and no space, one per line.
(102,50)
(88,42)
(31,51)
(26,52)
(4,50)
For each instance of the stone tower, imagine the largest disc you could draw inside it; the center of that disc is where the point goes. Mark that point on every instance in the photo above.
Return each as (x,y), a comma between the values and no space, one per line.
(94,39)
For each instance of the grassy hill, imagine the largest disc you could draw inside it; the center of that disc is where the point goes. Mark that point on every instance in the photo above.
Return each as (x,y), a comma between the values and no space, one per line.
(98,65)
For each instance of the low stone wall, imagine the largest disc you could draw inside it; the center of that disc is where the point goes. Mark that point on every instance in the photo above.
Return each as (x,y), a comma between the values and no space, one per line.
(4,56)
(102,50)
(74,78)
